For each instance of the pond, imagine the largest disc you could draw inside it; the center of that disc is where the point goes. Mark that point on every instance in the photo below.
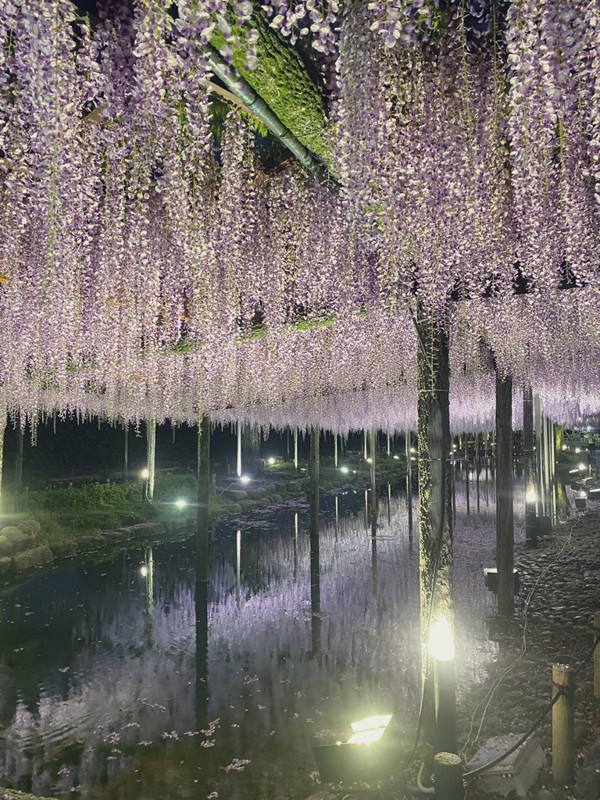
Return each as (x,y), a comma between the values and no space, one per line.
(112,685)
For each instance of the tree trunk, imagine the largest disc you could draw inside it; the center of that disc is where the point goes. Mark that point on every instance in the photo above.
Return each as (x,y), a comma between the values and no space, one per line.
(529,467)
(504,495)
(202,549)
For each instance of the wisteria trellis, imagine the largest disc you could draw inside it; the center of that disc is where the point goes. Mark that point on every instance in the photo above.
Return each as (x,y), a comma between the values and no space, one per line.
(136,256)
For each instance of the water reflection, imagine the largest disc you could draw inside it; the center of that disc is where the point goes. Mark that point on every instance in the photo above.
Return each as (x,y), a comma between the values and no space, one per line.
(158,675)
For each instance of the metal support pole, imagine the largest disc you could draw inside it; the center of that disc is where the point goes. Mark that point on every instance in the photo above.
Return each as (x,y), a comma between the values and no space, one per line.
(295,448)
(239,450)
(448,772)
(315,574)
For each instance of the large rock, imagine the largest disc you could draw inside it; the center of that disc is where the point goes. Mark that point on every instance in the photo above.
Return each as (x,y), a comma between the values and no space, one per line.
(31,527)
(16,537)
(35,557)
(7,548)
(5,564)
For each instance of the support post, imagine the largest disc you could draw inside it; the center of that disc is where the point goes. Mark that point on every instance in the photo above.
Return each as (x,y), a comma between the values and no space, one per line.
(597,656)
(315,574)
(150,457)
(19,463)
(296,448)
(563,724)
(2,429)
(529,469)
(335,450)
(538,453)
(126,452)
(238,470)
(202,551)
(407,448)
(504,495)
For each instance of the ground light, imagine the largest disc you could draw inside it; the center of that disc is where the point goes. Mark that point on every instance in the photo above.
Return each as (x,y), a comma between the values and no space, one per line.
(366,755)
(531,496)
(396,457)
(441,649)
(270,461)
(181,503)
(345,470)
(144,474)
(245,479)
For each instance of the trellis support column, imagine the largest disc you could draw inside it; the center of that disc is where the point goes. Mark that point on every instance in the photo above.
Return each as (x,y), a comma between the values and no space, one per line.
(504,495)
(315,575)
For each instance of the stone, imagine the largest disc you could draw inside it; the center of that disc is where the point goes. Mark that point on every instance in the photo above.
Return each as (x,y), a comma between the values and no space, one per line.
(35,557)
(588,775)
(31,527)
(5,564)
(6,546)
(19,540)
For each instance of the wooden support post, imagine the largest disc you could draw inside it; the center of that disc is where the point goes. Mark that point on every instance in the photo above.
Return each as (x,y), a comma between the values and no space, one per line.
(335,450)
(2,429)
(448,772)
(150,457)
(19,462)
(504,495)
(563,724)
(538,453)
(296,448)
(597,656)
(315,574)
(389,445)
(407,448)
(365,446)
(477,467)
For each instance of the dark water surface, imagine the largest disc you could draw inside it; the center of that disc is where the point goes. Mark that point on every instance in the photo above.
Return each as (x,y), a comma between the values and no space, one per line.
(111,686)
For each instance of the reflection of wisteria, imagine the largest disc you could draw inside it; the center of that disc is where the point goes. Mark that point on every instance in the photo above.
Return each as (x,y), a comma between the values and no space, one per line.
(119,695)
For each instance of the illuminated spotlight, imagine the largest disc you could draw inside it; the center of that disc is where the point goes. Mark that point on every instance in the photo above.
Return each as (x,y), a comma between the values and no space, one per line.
(144,571)
(574,471)
(144,474)
(181,503)
(582,493)
(270,461)
(396,457)
(582,467)
(565,447)
(366,755)
(369,460)
(412,450)
(245,479)
(345,470)
(578,450)
(531,496)
(440,646)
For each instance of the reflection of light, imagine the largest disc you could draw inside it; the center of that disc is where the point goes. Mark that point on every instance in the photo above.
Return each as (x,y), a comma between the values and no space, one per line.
(181,503)
(245,479)
(441,640)
(531,495)
(144,474)
(270,460)
(369,730)
(396,458)
(144,571)
(345,470)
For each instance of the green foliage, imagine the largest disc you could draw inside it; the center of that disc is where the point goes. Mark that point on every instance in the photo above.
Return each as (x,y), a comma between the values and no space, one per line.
(280,77)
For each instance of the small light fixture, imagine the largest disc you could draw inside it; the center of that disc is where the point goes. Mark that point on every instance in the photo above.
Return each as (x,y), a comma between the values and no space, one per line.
(345,470)
(564,447)
(144,474)
(582,493)
(270,461)
(412,450)
(369,460)
(366,756)
(582,467)
(441,640)
(144,571)
(180,502)
(245,479)
(578,450)
(370,729)
(396,457)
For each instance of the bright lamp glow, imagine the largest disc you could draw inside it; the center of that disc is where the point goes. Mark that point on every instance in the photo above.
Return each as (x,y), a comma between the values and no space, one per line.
(144,571)
(578,450)
(181,503)
(245,479)
(564,447)
(369,460)
(345,470)
(396,457)
(582,493)
(370,729)
(582,467)
(531,495)
(144,474)
(270,461)
(441,640)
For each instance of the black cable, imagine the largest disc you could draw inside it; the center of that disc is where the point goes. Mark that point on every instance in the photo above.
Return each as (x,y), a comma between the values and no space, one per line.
(473,773)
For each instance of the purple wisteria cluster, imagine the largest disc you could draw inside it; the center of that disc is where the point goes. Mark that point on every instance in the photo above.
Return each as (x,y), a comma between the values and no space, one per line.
(151,269)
